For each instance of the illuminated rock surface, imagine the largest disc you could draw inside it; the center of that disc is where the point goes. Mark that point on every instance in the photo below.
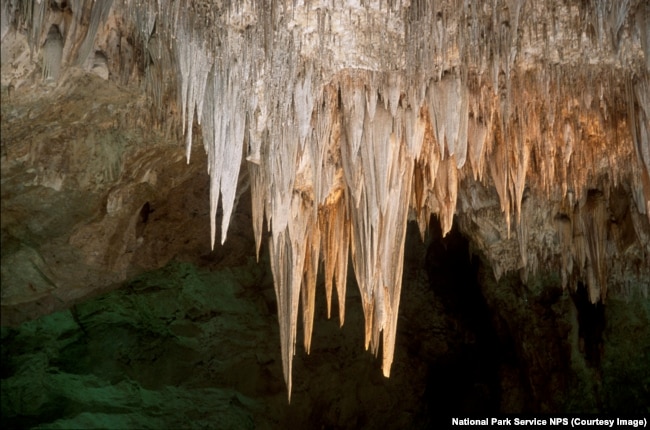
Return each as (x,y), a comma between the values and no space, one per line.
(525,125)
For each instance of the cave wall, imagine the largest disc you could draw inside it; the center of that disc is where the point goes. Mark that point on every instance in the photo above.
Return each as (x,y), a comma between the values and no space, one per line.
(195,344)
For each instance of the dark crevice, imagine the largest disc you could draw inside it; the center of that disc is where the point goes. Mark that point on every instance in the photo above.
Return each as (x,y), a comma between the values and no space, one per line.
(143,218)
(466,379)
(591,325)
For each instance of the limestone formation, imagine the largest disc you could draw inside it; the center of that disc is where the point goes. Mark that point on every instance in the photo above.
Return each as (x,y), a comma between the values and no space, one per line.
(527,122)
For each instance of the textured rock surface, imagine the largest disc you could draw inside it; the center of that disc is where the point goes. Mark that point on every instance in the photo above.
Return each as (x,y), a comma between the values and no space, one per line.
(61,174)
(526,122)
(195,346)
(187,347)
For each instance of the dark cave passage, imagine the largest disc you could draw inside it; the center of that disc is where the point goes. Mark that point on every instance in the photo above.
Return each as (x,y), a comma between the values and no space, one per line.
(591,325)
(466,379)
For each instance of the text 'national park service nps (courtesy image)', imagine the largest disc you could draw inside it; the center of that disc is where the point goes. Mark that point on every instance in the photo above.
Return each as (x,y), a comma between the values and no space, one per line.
(325,214)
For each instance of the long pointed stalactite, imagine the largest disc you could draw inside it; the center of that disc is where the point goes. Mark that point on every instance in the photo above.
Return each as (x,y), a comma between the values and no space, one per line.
(354,117)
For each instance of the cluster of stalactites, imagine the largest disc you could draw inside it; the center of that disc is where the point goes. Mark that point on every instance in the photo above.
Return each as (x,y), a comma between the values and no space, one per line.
(65,31)
(336,167)
(340,150)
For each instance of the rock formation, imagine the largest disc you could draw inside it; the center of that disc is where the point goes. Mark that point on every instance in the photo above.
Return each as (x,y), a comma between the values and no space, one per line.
(527,123)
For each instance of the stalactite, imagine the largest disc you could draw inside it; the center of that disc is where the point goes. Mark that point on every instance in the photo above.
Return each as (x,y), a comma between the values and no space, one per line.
(448,104)
(52,53)
(642,21)
(99,13)
(593,223)
(8,13)
(639,122)
(335,228)
(35,13)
